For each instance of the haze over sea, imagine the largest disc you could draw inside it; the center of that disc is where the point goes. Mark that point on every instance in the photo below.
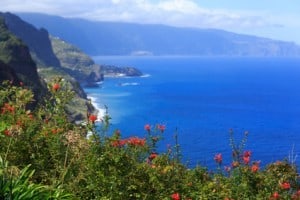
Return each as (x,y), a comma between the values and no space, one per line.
(203,98)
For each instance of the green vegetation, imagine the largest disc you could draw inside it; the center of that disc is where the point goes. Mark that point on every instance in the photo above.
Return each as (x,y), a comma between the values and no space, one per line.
(8,42)
(15,54)
(45,156)
(74,61)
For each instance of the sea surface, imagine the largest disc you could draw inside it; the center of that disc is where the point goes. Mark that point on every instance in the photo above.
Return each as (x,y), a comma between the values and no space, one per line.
(202,98)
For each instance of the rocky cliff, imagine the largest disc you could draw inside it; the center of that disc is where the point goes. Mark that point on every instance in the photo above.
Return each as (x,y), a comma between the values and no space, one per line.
(36,39)
(75,62)
(82,67)
(7,73)
(16,62)
(53,56)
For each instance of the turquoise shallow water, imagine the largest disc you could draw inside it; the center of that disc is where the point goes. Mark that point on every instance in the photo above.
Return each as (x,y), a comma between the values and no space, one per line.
(205,97)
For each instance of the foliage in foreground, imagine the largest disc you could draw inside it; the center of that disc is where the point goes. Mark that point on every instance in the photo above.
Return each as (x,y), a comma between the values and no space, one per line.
(44,156)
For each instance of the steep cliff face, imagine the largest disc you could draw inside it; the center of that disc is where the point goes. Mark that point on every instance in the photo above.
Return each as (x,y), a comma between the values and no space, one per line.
(7,73)
(75,62)
(82,67)
(16,61)
(37,40)
(22,58)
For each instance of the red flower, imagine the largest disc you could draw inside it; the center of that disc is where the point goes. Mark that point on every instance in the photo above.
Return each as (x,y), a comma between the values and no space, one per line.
(135,141)
(7,108)
(285,185)
(30,116)
(161,127)
(153,155)
(54,131)
(235,164)
(247,153)
(246,160)
(93,118)
(296,195)
(147,127)
(255,167)
(246,157)
(175,196)
(119,143)
(56,86)
(7,132)
(275,195)
(218,158)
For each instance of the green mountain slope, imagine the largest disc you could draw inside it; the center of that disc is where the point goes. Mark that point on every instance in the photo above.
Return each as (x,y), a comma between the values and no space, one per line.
(16,62)
(75,62)
(16,54)
(82,67)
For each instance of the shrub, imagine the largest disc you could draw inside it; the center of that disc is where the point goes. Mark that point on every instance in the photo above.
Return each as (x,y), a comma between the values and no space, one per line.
(53,158)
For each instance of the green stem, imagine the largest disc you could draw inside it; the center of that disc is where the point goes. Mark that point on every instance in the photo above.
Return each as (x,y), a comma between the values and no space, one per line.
(8,148)
(66,157)
(65,165)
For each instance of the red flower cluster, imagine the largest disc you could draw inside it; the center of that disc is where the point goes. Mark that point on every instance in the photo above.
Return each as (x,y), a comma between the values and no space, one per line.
(133,141)
(147,127)
(56,86)
(7,132)
(175,196)
(255,167)
(93,118)
(56,130)
(275,195)
(285,186)
(119,143)
(235,164)
(161,127)
(7,108)
(218,158)
(246,157)
(152,156)
(296,195)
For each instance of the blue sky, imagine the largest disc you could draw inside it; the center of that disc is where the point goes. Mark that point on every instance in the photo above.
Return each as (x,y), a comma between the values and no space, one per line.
(277,19)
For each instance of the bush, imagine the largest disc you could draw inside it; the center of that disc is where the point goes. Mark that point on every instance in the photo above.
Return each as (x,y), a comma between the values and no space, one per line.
(51,158)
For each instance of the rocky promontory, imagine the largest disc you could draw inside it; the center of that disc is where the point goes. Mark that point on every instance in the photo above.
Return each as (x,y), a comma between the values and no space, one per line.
(116,71)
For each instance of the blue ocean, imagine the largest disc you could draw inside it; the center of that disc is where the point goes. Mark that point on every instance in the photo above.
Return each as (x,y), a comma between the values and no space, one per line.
(202,98)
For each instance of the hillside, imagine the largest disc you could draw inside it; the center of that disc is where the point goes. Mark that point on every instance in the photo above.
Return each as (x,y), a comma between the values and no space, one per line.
(16,62)
(75,62)
(21,55)
(35,55)
(112,38)
(82,67)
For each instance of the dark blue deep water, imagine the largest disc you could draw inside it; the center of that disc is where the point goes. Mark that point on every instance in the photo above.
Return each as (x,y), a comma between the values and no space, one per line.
(203,98)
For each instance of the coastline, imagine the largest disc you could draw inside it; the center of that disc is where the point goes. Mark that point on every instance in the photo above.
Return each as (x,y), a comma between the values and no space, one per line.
(100,112)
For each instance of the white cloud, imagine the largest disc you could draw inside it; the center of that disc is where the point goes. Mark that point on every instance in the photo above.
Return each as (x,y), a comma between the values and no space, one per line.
(181,6)
(171,12)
